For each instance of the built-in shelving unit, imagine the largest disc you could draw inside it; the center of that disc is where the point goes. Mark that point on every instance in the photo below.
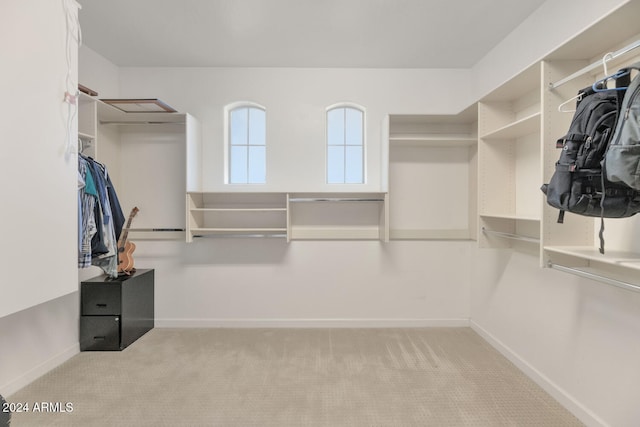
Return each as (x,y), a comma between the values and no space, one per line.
(236,215)
(509,176)
(519,124)
(572,246)
(338,216)
(138,149)
(294,216)
(432,168)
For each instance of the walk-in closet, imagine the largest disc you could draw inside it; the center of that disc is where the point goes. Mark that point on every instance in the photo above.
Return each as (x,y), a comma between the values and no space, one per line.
(283,213)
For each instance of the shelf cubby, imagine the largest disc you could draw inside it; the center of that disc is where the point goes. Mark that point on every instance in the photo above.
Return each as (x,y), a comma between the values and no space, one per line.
(338,216)
(432,168)
(236,215)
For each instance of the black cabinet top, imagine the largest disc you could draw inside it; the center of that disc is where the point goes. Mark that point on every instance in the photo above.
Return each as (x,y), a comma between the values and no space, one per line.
(103,278)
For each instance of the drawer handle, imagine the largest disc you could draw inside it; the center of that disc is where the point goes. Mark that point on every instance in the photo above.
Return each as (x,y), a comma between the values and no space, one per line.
(101,305)
(101,338)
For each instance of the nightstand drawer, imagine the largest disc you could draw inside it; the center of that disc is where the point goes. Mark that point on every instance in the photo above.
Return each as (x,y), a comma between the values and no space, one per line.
(100,299)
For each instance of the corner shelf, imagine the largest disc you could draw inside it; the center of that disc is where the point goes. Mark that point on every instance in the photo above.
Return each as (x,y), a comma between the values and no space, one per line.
(509,172)
(433,140)
(513,217)
(520,127)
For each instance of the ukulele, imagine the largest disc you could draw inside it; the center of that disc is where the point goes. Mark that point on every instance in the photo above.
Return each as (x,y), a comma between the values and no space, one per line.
(126,248)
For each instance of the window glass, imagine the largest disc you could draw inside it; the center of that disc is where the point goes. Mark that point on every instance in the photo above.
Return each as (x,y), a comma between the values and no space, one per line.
(345,145)
(247,141)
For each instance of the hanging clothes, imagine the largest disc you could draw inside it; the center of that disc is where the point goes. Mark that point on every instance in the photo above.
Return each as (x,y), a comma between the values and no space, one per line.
(100,218)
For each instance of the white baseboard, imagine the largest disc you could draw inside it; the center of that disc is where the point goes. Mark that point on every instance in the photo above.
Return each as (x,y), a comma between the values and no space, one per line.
(565,399)
(27,377)
(310,323)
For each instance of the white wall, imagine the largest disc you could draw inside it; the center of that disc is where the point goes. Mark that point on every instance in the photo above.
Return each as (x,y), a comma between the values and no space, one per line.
(296,101)
(550,26)
(231,281)
(267,282)
(98,73)
(39,191)
(36,340)
(578,338)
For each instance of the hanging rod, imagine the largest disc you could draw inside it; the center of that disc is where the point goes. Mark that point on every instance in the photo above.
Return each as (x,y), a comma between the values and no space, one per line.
(510,236)
(138,230)
(139,122)
(238,235)
(608,57)
(334,199)
(594,276)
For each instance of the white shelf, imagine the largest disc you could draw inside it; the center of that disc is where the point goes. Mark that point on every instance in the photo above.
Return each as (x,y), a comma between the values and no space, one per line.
(432,140)
(588,253)
(511,236)
(238,209)
(155,234)
(344,233)
(518,87)
(511,217)
(524,126)
(326,216)
(335,199)
(109,115)
(337,216)
(240,230)
(424,234)
(236,214)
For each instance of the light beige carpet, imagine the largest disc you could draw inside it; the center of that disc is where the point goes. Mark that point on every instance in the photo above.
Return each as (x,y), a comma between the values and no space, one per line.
(294,377)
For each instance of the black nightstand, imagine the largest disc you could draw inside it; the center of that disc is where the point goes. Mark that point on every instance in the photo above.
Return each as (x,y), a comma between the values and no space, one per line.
(116,312)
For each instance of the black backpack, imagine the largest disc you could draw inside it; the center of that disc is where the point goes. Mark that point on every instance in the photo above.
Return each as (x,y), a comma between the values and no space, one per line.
(578,184)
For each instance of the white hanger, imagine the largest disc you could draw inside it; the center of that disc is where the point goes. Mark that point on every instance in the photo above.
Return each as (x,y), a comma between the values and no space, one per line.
(578,97)
(607,57)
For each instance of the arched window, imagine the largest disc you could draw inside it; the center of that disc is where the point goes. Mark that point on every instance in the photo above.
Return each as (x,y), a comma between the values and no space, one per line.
(246,144)
(345,144)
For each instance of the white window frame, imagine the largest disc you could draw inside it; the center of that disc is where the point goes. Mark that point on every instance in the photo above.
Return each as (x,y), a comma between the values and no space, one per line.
(362,110)
(228,109)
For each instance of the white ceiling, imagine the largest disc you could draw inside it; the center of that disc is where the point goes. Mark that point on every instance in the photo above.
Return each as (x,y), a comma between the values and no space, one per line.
(299,33)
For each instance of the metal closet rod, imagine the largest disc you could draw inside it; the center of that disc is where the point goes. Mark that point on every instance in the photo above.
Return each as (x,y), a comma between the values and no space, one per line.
(155,230)
(594,276)
(139,122)
(334,199)
(607,57)
(240,235)
(511,236)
